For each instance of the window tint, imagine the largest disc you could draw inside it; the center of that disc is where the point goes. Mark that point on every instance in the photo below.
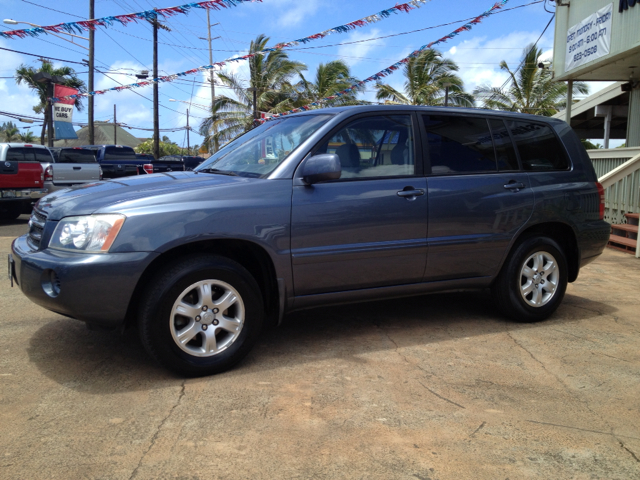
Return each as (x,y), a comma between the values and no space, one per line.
(76,156)
(380,146)
(505,152)
(42,155)
(15,155)
(459,144)
(539,148)
(118,153)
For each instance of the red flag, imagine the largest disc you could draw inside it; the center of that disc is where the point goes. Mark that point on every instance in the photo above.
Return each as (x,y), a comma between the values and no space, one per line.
(62,91)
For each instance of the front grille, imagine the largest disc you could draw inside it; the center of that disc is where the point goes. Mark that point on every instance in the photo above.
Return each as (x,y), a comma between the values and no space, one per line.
(36,227)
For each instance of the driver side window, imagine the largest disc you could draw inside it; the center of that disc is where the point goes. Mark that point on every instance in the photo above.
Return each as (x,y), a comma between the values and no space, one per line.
(373,147)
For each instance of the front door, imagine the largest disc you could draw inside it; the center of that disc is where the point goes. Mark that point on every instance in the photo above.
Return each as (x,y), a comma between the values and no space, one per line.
(367,229)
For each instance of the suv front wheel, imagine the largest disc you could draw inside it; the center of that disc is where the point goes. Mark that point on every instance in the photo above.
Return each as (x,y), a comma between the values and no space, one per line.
(533,281)
(201,316)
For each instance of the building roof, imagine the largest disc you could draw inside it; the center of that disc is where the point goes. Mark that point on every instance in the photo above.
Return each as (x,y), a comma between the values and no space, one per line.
(583,114)
(104,135)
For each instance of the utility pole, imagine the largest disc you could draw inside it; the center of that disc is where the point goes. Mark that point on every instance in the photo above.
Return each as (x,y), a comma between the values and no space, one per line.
(188,145)
(50,119)
(214,143)
(115,126)
(156,119)
(91,53)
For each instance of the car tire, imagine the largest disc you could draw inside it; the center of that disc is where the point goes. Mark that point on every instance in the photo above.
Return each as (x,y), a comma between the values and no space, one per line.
(201,315)
(533,280)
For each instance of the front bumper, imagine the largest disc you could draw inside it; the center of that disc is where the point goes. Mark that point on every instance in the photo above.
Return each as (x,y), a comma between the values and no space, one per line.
(95,288)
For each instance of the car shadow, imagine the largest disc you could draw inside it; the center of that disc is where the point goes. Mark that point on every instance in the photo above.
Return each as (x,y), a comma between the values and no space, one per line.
(99,362)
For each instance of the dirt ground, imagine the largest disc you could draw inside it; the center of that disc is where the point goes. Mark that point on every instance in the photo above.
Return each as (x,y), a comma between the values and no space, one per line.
(434,387)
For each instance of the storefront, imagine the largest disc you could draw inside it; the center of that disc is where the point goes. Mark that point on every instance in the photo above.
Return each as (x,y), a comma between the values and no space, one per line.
(599,40)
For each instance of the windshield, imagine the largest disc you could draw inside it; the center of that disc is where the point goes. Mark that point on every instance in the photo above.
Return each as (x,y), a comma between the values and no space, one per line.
(258,152)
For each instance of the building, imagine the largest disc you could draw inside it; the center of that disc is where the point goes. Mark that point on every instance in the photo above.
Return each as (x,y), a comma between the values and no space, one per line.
(599,40)
(104,134)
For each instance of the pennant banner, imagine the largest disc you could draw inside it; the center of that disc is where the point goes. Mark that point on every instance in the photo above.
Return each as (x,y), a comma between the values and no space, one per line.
(85,25)
(403,7)
(391,69)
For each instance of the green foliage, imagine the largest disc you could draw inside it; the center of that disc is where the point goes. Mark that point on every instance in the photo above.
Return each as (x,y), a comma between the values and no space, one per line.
(426,80)
(530,90)
(28,137)
(9,132)
(272,75)
(589,145)
(166,148)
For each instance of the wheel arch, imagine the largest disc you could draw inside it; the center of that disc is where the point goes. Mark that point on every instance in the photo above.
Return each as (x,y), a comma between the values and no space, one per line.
(251,256)
(564,235)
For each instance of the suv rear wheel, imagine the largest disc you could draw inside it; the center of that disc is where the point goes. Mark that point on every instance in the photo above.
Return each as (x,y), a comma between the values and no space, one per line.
(201,316)
(533,280)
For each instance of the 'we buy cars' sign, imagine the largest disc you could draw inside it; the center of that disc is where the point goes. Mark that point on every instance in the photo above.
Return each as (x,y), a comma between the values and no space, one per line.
(63,113)
(589,39)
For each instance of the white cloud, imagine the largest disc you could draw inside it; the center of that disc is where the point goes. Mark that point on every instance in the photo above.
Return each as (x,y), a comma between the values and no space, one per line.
(294,13)
(352,51)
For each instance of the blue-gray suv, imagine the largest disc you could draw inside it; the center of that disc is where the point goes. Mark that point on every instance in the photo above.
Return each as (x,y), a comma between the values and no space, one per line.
(323,207)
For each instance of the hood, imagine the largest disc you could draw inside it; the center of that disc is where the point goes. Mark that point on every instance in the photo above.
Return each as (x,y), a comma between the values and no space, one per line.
(119,195)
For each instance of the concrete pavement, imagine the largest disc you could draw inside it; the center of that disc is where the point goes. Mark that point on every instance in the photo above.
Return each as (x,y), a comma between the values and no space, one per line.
(433,387)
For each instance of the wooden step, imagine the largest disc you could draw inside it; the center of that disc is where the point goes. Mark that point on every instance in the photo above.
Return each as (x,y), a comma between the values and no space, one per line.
(625,227)
(627,242)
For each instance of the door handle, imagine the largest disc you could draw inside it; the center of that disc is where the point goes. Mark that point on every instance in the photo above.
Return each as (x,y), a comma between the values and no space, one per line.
(77,168)
(515,186)
(411,193)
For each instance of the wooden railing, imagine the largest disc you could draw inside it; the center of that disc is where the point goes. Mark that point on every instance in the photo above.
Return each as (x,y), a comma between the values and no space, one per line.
(618,171)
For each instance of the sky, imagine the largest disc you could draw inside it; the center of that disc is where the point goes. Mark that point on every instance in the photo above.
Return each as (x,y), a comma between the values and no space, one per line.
(123,51)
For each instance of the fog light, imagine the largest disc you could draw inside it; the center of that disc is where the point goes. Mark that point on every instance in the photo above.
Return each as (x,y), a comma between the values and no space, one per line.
(50,283)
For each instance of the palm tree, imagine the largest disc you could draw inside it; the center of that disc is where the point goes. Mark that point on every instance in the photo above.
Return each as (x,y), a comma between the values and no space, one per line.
(271,75)
(427,77)
(9,132)
(530,90)
(27,137)
(332,77)
(25,74)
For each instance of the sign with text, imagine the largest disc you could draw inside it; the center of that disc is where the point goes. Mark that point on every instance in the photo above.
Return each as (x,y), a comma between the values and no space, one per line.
(590,39)
(63,113)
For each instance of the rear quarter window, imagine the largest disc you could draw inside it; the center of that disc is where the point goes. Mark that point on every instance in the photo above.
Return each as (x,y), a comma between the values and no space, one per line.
(118,153)
(76,156)
(539,148)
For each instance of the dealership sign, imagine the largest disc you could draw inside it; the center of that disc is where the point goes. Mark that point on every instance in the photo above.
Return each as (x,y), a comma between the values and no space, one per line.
(589,39)
(63,113)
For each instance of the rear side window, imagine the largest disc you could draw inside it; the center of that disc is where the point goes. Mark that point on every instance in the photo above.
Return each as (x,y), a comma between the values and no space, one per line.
(76,156)
(459,144)
(505,152)
(539,148)
(118,153)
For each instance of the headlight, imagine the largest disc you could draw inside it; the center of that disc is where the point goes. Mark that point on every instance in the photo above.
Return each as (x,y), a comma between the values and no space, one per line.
(89,233)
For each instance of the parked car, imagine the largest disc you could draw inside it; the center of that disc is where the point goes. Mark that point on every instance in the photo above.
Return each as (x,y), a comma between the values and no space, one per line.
(69,166)
(189,162)
(21,178)
(324,207)
(168,163)
(117,161)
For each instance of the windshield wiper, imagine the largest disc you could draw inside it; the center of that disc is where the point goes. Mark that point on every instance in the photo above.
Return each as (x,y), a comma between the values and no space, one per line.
(221,172)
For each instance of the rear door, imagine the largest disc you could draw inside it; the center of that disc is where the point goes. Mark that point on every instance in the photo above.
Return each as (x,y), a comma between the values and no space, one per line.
(367,229)
(478,196)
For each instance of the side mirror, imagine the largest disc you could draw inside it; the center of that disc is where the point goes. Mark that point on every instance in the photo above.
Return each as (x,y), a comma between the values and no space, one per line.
(321,168)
